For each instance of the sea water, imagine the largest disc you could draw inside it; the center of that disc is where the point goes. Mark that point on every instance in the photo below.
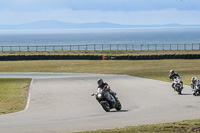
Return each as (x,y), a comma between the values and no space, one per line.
(133,36)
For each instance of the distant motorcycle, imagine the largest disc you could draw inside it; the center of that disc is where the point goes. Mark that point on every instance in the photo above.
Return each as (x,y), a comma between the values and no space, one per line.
(178,85)
(106,104)
(196,90)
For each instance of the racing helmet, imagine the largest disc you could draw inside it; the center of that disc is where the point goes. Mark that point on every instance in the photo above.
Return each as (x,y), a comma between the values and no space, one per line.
(99,81)
(171,71)
(194,79)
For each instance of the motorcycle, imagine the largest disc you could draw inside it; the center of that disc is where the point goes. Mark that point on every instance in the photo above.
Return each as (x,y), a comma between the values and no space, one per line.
(106,104)
(178,85)
(196,90)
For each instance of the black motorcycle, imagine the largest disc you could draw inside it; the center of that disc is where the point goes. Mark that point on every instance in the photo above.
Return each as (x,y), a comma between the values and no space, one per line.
(106,104)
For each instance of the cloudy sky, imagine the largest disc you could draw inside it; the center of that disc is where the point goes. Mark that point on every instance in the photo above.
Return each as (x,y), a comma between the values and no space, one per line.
(134,12)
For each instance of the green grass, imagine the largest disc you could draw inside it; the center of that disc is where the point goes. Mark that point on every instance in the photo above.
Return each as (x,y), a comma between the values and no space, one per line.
(13,95)
(176,127)
(152,69)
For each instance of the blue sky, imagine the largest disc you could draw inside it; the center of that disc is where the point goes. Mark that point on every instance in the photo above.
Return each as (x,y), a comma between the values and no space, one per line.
(135,12)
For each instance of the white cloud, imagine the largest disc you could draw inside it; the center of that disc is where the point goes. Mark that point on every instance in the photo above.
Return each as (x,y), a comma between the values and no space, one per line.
(102,5)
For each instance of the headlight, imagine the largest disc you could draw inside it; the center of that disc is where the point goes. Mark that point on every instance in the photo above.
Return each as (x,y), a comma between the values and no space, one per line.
(99,96)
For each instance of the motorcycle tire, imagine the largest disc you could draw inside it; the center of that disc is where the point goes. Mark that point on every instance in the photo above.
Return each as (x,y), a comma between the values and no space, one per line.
(118,106)
(105,106)
(179,92)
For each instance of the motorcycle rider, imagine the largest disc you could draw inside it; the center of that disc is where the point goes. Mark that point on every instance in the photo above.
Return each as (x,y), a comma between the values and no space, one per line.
(194,82)
(173,75)
(104,85)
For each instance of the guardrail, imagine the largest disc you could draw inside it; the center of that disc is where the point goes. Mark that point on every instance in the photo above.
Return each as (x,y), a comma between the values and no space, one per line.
(141,47)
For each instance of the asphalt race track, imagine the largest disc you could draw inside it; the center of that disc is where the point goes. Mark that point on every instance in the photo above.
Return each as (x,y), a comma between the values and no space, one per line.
(62,103)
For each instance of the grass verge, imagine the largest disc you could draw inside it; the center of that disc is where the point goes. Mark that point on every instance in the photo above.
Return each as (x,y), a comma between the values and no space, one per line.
(176,127)
(152,69)
(13,95)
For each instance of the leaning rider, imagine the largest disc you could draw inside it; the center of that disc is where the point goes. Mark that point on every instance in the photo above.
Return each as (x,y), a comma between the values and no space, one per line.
(173,75)
(195,84)
(104,85)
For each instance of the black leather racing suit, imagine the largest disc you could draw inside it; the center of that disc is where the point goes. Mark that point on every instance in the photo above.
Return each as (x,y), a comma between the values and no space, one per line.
(108,92)
(173,76)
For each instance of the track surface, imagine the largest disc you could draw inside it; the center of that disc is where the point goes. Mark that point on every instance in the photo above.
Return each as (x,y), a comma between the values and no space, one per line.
(62,103)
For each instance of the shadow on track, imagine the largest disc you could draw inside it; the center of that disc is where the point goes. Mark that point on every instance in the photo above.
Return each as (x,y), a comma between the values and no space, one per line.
(186,94)
(119,111)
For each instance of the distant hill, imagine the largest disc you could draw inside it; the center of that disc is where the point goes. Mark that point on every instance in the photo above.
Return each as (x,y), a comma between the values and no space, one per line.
(53,24)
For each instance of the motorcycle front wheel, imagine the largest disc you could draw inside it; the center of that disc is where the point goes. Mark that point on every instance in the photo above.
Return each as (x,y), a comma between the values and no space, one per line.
(179,91)
(105,106)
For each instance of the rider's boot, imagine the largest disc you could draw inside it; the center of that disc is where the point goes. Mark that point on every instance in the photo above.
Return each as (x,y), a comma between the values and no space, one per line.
(173,87)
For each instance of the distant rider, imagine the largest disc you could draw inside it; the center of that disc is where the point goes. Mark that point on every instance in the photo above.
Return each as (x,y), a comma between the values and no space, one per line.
(104,85)
(195,84)
(173,75)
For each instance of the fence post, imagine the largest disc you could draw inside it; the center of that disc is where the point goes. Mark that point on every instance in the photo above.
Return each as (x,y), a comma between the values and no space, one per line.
(102,47)
(170,46)
(177,46)
(163,47)
(148,47)
(126,47)
(70,48)
(155,46)
(192,46)
(185,46)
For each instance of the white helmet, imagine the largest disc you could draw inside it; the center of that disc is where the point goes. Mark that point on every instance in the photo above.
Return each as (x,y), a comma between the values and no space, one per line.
(194,79)
(171,71)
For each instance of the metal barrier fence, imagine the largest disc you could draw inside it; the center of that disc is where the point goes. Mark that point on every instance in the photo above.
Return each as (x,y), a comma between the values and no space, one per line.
(193,46)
